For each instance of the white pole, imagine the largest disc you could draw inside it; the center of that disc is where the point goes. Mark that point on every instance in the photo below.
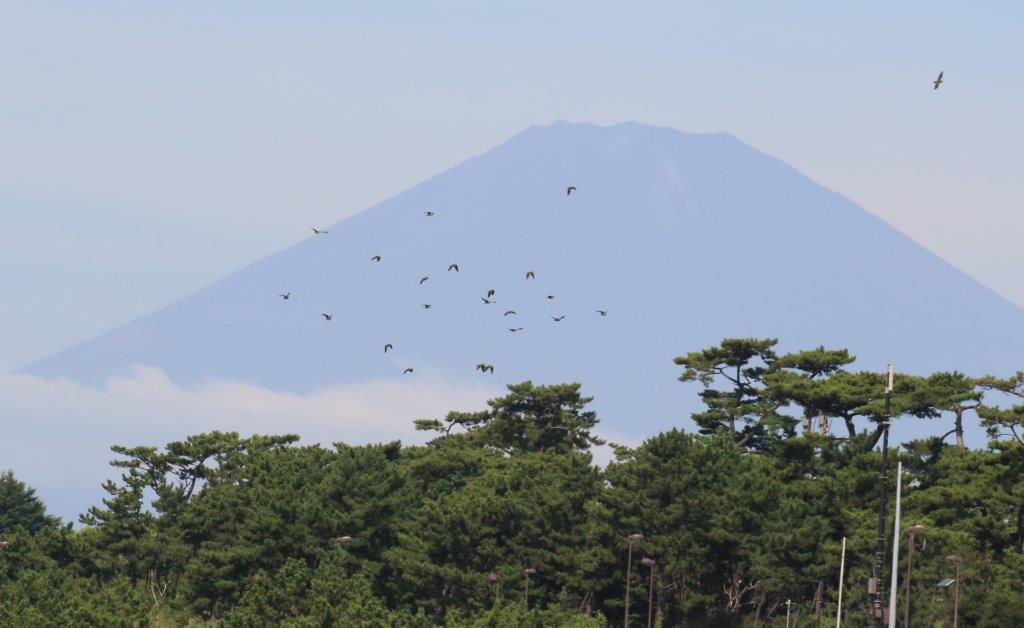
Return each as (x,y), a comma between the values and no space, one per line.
(788,603)
(842,567)
(895,547)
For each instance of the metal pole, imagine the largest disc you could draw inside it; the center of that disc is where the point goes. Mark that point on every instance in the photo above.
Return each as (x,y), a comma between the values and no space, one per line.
(883,489)
(650,599)
(895,547)
(817,604)
(629,568)
(788,604)
(636,536)
(842,566)
(910,571)
(956,598)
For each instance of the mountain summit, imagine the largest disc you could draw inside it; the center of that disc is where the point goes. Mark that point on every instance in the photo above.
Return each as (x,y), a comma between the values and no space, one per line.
(681,238)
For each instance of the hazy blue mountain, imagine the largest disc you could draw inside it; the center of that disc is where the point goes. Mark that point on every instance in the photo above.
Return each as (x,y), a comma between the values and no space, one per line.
(682,238)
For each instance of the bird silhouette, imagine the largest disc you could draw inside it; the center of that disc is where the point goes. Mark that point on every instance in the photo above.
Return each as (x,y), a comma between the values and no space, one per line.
(937,81)
(387,347)
(428,214)
(551,296)
(515,329)
(286,295)
(375,258)
(452,267)
(327,316)
(509,313)
(426,306)
(490,293)
(487,301)
(569,190)
(557,318)
(318,231)
(483,368)
(529,274)
(423,279)
(407,371)
(603,312)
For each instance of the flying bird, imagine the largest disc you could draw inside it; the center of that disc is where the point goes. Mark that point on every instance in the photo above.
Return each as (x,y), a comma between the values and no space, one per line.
(452,267)
(557,318)
(937,81)
(483,368)
(387,347)
(426,306)
(286,295)
(603,312)
(487,301)
(509,313)
(375,258)
(327,316)
(423,279)
(406,371)
(515,329)
(551,296)
(318,231)
(529,274)
(569,190)
(490,293)
(428,214)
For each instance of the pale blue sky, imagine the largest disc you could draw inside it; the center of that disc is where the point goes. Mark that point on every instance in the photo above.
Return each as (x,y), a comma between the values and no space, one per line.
(147,149)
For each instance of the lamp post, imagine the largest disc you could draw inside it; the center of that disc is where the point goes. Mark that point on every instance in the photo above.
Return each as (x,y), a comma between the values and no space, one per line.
(650,563)
(493,577)
(789,603)
(914,529)
(956,595)
(629,568)
(875,586)
(529,571)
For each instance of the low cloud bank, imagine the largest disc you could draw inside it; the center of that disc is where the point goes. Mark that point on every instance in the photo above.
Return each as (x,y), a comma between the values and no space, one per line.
(56,434)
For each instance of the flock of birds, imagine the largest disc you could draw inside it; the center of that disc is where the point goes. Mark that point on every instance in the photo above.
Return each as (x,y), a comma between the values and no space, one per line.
(488,299)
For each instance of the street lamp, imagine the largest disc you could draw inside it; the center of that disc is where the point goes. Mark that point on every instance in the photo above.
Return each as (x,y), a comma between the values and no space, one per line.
(635,537)
(529,571)
(493,577)
(914,529)
(650,563)
(956,596)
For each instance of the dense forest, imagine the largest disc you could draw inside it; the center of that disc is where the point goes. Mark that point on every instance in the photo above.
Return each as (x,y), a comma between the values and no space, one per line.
(503,519)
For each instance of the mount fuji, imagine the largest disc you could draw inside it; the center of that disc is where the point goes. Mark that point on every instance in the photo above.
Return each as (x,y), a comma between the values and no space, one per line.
(682,238)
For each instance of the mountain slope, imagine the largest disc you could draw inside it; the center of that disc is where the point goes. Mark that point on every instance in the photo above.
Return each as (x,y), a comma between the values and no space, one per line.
(682,238)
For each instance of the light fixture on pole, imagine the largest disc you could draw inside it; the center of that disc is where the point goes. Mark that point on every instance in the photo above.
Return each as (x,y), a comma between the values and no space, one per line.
(914,529)
(956,596)
(495,578)
(529,571)
(635,537)
(650,563)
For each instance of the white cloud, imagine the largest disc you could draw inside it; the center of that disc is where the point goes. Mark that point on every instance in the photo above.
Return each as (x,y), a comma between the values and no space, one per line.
(57,433)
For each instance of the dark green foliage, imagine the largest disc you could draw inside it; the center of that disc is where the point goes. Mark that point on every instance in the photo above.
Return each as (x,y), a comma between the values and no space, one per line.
(19,507)
(750,512)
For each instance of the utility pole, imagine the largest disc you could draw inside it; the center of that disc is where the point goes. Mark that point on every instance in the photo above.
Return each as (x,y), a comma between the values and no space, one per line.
(629,569)
(875,584)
